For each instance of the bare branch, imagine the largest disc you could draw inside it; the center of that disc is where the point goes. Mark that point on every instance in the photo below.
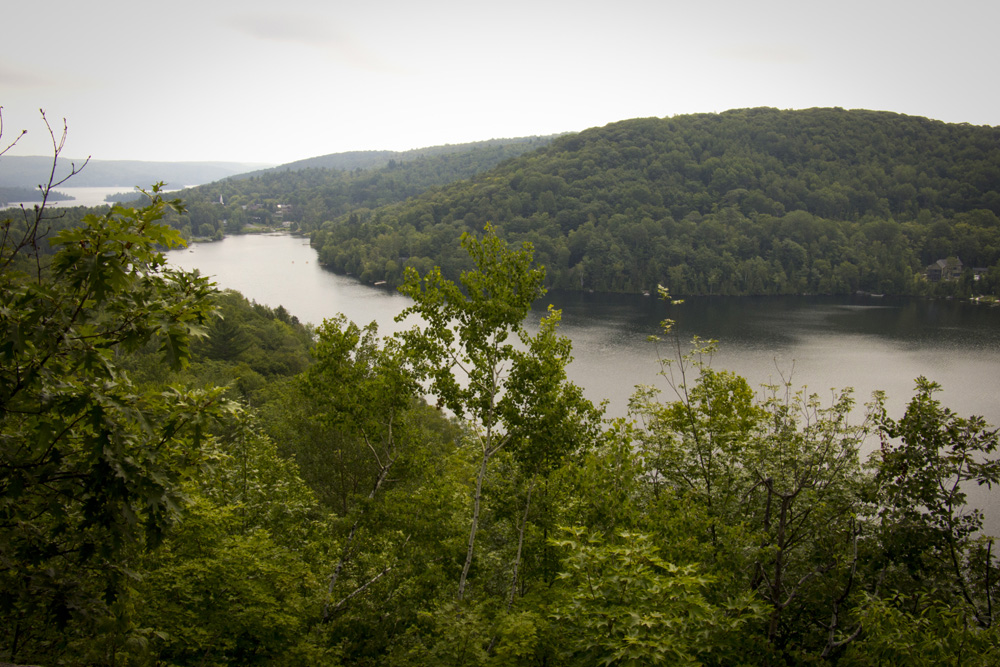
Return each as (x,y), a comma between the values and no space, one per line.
(33,231)
(361,589)
(16,139)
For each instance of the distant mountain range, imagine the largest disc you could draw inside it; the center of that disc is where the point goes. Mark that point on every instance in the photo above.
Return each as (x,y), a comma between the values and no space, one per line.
(29,172)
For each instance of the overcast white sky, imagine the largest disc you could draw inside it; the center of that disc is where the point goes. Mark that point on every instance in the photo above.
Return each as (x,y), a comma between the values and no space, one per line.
(283,80)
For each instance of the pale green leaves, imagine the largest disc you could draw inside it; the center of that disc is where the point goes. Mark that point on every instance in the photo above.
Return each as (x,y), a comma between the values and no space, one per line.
(468,329)
(618,603)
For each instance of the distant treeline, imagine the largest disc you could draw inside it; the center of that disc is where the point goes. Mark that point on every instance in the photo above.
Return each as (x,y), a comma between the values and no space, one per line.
(9,195)
(353,160)
(124,197)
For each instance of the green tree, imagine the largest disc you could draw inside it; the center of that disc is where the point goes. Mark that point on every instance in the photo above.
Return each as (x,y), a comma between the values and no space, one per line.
(233,582)
(220,593)
(92,466)
(778,481)
(921,632)
(363,388)
(482,364)
(926,462)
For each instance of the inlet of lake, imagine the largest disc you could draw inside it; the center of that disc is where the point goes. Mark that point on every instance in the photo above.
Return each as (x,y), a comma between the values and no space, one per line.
(821,343)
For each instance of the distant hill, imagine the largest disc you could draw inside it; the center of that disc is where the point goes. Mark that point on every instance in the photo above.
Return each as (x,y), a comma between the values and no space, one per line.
(29,195)
(347,161)
(749,201)
(366,160)
(29,172)
(310,192)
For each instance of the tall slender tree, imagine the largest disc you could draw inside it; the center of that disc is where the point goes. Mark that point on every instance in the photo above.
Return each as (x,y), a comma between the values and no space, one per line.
(483,365)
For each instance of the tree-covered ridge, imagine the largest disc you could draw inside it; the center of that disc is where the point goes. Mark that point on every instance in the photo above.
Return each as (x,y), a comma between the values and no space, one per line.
(305,194)
(28,195)
(755,201)
(365,160)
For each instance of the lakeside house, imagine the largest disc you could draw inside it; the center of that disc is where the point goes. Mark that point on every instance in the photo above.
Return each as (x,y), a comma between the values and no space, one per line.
(944,269)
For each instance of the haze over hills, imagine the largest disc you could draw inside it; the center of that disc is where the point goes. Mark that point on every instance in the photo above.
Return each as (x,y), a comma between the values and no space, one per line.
(30,171)
(20,176)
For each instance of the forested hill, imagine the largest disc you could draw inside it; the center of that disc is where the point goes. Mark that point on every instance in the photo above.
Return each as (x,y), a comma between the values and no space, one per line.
(751,201)
(353,160)
(306,193)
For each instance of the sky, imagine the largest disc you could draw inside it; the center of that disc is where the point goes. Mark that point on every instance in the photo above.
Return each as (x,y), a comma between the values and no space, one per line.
(283,80)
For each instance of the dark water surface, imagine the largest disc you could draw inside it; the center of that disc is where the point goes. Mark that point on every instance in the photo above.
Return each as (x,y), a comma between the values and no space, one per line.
(865,343)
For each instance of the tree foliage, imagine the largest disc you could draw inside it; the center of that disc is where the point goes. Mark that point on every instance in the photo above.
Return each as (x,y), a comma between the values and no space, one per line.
(621,604)
(93,466)
(466,347)
(926,463)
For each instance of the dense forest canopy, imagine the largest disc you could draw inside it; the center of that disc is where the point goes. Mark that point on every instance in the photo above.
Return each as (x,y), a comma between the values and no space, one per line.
(753,201)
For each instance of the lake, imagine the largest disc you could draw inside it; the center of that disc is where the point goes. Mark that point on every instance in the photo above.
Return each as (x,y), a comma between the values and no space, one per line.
(819,342)
(822,342)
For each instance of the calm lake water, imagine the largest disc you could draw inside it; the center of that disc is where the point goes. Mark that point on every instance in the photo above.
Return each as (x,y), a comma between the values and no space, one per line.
(83,196)
(820,342)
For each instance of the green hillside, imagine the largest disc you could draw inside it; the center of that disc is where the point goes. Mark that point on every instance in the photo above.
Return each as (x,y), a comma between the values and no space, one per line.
(751,201)
(306,193)
(352,160)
